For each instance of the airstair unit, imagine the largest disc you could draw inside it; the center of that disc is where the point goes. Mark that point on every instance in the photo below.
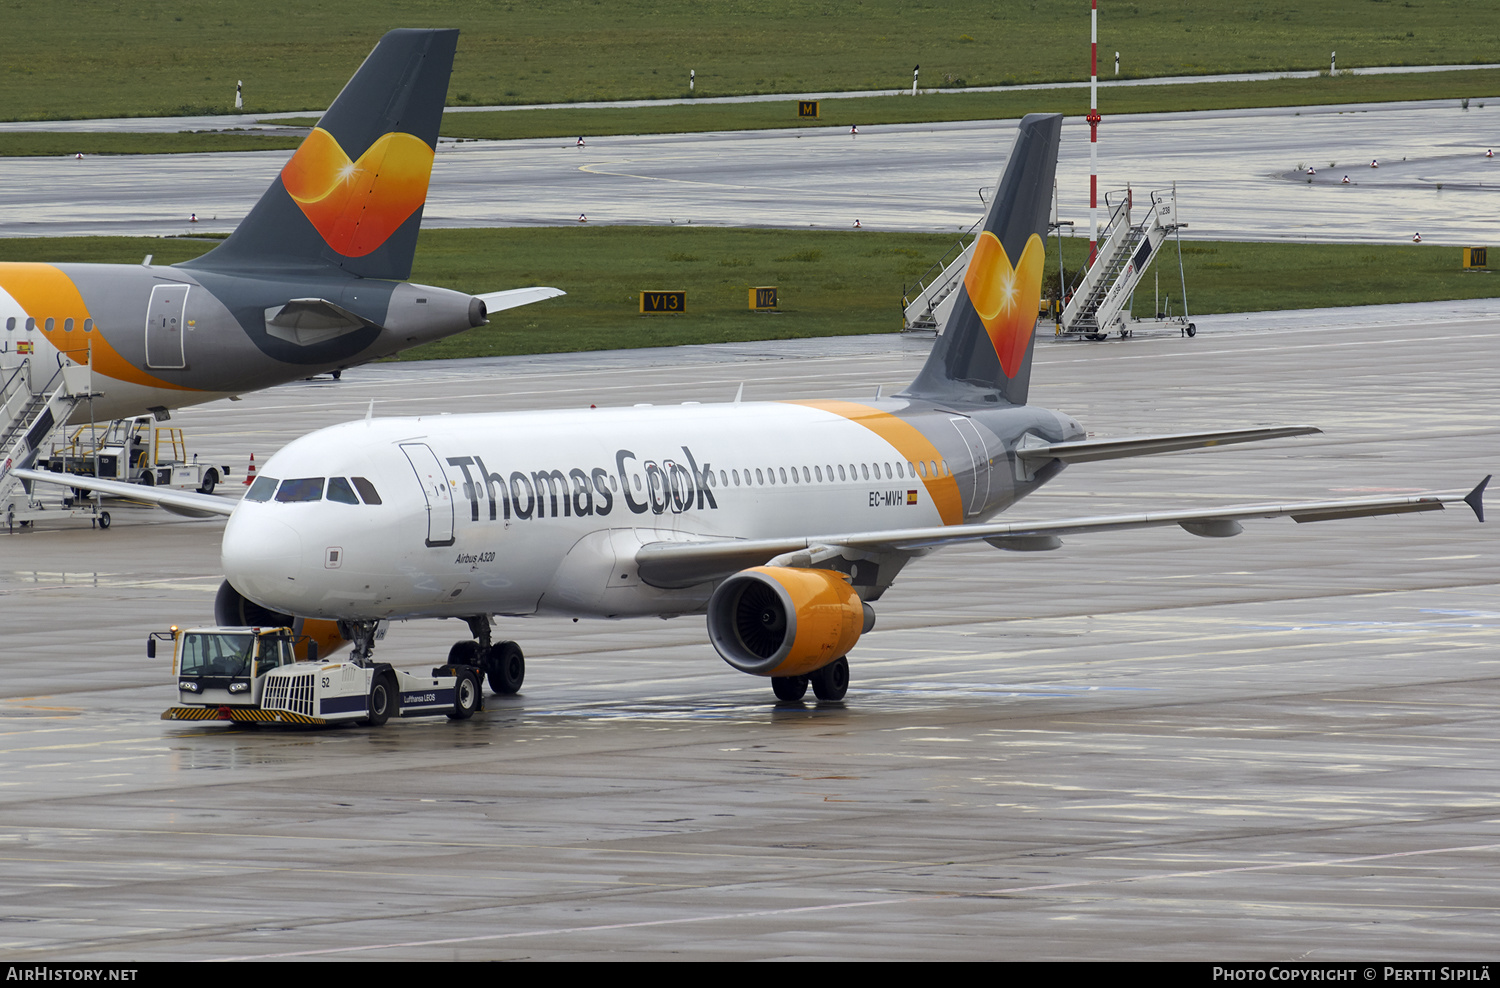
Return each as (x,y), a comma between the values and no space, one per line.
(1100,302)
(32,410)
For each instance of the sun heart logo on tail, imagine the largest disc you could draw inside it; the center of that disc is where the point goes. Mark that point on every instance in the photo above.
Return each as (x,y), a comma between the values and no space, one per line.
(356,205)
(1006,298)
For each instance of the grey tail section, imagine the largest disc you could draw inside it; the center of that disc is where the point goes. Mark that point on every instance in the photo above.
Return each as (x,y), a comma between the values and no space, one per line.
(965,364)
(400,89)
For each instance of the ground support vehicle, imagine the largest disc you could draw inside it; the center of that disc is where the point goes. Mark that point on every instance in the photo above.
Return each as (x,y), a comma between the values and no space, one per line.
(253,675)
(22,509)
(136,451)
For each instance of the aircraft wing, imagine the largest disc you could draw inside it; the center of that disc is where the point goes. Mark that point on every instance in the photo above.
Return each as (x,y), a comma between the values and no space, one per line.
(1087,450)
(188,503)
(683,564)
(498,301)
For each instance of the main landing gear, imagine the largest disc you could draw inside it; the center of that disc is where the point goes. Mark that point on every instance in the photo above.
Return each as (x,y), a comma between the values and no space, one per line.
(829,683)
(501,662)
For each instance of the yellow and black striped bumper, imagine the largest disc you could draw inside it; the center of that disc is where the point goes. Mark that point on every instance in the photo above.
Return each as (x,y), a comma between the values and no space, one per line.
(240,714)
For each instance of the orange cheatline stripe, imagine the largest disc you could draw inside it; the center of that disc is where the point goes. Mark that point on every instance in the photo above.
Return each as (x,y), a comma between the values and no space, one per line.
(909,441)
(44,291)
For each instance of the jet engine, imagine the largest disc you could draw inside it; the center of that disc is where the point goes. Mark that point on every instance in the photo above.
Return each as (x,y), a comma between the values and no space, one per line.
(782,621)
(233,610)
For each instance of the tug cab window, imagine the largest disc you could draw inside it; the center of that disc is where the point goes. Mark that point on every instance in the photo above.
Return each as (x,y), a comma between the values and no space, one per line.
(216,655)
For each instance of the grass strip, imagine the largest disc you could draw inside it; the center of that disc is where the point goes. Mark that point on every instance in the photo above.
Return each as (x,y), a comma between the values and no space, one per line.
(831,283)
(42,144)
(103,58)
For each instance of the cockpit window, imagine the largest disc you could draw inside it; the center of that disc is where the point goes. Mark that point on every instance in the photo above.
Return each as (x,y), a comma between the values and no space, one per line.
(340,491)
(262,489)
(301,489)
(366,490)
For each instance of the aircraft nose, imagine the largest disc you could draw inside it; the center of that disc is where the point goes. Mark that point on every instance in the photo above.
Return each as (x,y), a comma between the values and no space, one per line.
(263,561)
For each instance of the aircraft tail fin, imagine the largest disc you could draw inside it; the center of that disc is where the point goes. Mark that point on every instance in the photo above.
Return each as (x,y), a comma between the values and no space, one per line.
(984,351)
(351,197)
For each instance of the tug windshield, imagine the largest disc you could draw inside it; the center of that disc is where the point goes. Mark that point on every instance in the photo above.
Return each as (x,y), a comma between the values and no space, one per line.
(216,655)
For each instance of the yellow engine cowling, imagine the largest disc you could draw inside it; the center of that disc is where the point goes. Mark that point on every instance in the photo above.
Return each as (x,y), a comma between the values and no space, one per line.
(325,633)
(780,621)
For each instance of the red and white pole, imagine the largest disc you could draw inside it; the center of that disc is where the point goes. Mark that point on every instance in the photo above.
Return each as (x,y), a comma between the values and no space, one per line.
(1093,119)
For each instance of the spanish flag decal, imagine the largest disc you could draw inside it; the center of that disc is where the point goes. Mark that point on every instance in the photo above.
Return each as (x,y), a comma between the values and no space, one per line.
(357,205)
(1006,298)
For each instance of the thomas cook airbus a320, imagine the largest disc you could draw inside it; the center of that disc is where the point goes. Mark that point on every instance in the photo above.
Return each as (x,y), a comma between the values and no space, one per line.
(782,521)
(313,279)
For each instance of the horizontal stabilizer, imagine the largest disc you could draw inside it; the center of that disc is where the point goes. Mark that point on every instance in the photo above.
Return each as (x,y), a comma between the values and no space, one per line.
(1087,450)
(679,564)
(181,502)
(499,301)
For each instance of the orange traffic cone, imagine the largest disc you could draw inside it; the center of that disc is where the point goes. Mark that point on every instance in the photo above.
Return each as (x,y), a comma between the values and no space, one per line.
(250,474)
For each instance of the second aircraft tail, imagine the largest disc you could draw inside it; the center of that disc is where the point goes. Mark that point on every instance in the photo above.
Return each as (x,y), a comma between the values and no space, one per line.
(984,351)
(351,197)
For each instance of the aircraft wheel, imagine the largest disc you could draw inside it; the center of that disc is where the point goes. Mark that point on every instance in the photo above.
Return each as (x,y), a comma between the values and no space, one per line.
(104,519)
(383,699)
(832,681)
(465,695)
(464,654)
(337,374)
(210,481)
(789,687)
(506,667)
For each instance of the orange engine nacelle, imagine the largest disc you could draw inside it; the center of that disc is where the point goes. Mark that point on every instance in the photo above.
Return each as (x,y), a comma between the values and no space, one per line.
(780,621)
(233,610)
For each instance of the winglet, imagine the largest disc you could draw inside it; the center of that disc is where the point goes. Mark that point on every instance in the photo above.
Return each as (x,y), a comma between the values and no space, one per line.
(1475,499)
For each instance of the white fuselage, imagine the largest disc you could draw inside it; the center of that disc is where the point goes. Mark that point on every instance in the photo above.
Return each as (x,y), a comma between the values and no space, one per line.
(542,512)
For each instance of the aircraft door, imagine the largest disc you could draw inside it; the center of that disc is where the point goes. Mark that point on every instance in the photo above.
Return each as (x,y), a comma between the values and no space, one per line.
(436,489)
(164,326)
(980,457)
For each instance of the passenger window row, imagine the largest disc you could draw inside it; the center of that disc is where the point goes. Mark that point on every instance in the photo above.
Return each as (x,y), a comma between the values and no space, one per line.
(825,474)
(50,324)
(338,489)
(343,490)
